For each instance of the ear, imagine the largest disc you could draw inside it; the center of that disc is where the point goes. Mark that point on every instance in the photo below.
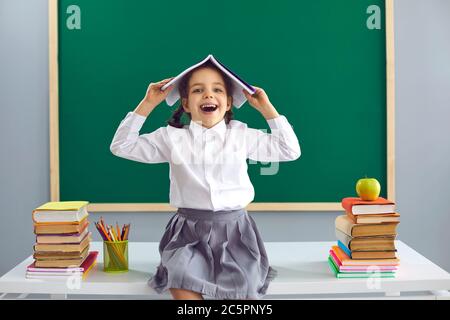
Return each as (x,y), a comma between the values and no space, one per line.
(229,102)
(185,105)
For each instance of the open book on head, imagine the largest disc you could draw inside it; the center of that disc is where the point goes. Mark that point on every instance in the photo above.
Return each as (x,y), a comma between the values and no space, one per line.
(238,84)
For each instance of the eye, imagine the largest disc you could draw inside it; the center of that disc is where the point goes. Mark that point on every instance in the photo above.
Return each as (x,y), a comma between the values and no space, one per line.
(219,90)
(196,90)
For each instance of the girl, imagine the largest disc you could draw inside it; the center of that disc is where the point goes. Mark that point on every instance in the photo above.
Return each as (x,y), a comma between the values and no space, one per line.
(211,246)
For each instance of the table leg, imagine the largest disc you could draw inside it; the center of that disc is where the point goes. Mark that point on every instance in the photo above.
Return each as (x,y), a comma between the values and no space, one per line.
(441,294)
(58,296)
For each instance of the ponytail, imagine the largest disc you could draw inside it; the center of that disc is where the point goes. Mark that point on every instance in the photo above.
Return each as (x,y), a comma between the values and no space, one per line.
(175,120)
(229,115)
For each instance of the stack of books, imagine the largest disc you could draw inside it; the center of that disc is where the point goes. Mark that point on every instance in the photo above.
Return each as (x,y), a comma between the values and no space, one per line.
(365,239)
(62,241)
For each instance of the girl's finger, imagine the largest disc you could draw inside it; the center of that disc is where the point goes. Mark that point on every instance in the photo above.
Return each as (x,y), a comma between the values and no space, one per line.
(162,84)
(247,95)
(167,89)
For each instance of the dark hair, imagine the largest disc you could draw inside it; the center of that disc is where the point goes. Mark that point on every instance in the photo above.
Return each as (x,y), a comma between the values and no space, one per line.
(175,120)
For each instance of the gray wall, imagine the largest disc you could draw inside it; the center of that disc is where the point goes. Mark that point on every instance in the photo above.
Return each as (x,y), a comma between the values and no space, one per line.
(422,131)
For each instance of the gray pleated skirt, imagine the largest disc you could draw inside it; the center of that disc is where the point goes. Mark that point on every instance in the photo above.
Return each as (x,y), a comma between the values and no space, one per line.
(216,253)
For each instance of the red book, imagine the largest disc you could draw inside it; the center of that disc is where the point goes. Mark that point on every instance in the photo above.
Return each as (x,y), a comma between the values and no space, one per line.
(358,206)
(347,261)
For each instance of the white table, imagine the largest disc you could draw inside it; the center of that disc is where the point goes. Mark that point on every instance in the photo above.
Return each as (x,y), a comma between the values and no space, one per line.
(302,271)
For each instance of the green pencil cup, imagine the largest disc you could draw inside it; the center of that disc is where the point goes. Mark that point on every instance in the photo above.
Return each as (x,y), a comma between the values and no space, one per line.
(115,256)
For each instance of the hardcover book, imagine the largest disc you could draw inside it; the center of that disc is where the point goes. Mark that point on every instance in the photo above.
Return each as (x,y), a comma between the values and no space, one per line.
(238,84)
(358,206)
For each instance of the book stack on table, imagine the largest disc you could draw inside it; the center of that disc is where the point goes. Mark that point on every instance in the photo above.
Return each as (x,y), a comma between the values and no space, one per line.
(62,241)
(365,239)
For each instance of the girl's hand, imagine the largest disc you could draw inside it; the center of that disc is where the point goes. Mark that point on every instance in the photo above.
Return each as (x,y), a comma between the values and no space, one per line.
(154,95)
(260,101)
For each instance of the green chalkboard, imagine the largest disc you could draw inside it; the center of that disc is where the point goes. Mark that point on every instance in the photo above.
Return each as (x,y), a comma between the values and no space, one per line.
(322,63)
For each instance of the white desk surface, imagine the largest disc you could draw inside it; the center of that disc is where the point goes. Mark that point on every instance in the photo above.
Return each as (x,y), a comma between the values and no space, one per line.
(302,269)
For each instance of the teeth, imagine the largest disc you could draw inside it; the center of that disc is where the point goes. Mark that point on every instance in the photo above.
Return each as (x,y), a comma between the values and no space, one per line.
(208,107)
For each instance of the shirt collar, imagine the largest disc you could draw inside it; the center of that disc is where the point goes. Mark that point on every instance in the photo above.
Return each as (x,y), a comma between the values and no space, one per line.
(219,129)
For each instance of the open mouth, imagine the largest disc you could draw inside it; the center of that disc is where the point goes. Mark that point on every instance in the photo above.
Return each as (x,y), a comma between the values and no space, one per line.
(208,107)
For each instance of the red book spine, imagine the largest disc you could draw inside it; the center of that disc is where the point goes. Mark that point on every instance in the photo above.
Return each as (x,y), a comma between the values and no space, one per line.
(347,203)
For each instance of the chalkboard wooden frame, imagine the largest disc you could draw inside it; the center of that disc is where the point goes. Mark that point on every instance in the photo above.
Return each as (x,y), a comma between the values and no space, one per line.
(162,207)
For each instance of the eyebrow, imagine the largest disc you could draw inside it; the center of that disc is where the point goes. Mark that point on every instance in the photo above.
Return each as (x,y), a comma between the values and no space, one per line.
(196,84)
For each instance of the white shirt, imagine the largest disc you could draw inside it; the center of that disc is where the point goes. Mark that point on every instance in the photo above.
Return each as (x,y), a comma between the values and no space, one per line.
(208,168)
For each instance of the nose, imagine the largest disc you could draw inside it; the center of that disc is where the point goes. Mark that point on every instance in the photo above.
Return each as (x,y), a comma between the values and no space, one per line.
(207,94)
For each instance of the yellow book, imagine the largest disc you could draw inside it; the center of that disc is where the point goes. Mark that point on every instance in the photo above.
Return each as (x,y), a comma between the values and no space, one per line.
(62,211)
(63,205)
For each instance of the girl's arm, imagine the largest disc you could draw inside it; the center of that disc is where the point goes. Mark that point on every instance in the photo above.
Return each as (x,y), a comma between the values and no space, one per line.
(153,97)
(147,148)
(279,145)
(150,147)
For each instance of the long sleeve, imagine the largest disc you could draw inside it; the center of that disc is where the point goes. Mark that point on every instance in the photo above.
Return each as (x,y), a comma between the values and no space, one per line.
(147,148)
(279,145)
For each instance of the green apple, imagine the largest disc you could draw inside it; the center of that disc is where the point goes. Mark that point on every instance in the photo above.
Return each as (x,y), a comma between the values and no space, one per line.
(368,188)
